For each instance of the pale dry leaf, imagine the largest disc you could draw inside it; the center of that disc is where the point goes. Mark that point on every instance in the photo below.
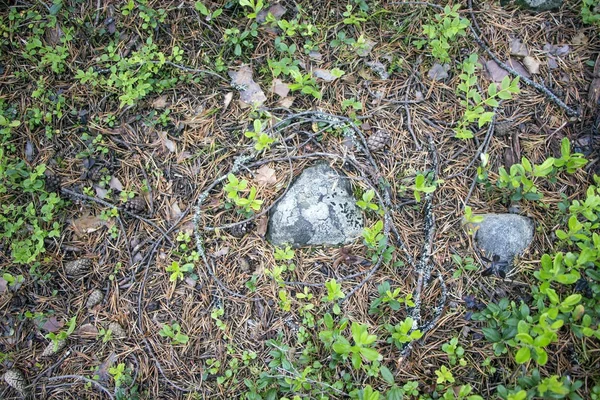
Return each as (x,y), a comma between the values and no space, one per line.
(115,184)
(517,48)
(175,211)
(101,192)
(379,69)
(52,325)
(286,102)
(315,55)
(438,72)
(262,224)
(495,73)
(223,251)
(532,65)
(265,176)
(518,66)
(324,74)
(87,224)
(160,102)
(365,49)
(88,330)
(166,142)
(53,35)
(419,96)
(250,92)
(227,100)
(3,285)
(277,10)
(558,51)
(102,371)
(279,88)
(580,39)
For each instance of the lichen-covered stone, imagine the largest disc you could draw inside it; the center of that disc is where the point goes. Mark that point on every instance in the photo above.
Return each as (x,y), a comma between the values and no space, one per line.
(504,235)
(540,5)
(318,209)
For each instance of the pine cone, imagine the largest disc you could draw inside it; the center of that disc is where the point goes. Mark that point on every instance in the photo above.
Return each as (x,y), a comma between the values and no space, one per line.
(16,380)
(50,350)
(96,172)
(117,330)
(53,183)
(137,205)
(378,140)
(242,229)
(95,298)
(79,266)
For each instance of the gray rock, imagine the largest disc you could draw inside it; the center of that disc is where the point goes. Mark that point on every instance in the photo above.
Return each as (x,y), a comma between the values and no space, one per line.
(504,235)
(318,209)
(540,5)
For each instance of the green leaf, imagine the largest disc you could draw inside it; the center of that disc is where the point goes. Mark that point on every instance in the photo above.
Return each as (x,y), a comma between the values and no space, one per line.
(387,375)
(523,355)
(341,347)
(202,8)
(369,354)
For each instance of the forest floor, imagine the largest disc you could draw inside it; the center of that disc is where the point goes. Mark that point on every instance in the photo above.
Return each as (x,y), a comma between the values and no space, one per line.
(129,270)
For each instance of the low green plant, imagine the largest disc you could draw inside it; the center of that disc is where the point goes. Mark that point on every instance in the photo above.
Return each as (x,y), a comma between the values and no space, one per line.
(365,203)
(305,83)
(334,293)
(373,236)
(351,18)
(568,161)
(463,265)
(233,189)
(445,29)
(284,66)
(173,332)
(455,352)
(125,389)
(518,182)
(239,40)
(423,185)
(105,334)
(262,141)
(208,15)
(177,271)
(62,335)
(342,40)
(389,299)
(284,254)
(403,333)
(590,12)
(255,6)
(362,347)
(474,103)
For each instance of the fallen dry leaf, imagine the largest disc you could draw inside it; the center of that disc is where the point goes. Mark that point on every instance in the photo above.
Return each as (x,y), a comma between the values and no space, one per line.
(262,224)
(379,69)
(101,193)
(102,371)
(279,88)
(227,100)
(495,73)
(52,325)
(532,65)
(517,48)
(115,184)
(580,39)
(277,10)
(3,285)
(324,74)
(265,176)
(438,72)
(88,330)
(517,66)
(365,48)
(160,102)
(315,55)
(286,102)
(558,51)
(166,142)
(223,251)
(250,92)
(87,224)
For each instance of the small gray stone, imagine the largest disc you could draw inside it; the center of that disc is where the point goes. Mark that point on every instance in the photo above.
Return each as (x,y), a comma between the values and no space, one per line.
(540,5)
(318,209)
(504,235)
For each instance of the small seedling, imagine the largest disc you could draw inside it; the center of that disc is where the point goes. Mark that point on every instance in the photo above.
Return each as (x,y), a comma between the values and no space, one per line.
(177,271)
(422,186)
(262,141)
(362,348)
(174,333)
(366,203)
